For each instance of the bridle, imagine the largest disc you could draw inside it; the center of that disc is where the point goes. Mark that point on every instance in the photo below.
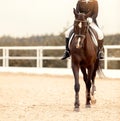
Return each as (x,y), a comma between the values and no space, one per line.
(80,31)
(78,22)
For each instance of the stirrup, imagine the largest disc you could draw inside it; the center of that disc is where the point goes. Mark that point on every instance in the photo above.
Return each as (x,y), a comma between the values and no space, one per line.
(101,55)
(66,55)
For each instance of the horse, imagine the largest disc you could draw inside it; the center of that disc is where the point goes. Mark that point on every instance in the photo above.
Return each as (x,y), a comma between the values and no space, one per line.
(83,57)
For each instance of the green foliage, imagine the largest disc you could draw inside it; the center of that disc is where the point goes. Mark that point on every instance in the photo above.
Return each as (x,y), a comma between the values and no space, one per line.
(49,40)
(112,40)
(46,40)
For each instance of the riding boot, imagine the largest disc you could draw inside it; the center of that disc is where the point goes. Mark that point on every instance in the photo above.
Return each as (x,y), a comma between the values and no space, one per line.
(100,49)
(67,51)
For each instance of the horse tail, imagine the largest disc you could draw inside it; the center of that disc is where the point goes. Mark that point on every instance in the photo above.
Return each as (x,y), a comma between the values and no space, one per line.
(99,68)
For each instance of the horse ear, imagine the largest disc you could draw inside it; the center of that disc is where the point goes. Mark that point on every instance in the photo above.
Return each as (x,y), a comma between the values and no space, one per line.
(75,13)
(74,10)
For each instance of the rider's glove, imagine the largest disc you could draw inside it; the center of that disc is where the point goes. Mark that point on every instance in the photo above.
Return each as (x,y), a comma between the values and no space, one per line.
(89,20)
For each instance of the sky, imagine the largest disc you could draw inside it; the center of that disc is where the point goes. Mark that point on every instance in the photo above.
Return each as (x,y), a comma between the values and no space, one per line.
(21,18)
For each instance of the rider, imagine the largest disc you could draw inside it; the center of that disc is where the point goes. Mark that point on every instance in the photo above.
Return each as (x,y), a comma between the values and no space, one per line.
(90,8)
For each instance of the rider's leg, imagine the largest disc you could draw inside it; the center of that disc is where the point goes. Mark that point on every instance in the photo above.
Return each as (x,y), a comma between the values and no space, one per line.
(67,37)
(100,40)
(67,52)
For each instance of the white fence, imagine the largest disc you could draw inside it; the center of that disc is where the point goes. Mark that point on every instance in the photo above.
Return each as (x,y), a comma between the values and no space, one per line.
(39,54)
(5,57)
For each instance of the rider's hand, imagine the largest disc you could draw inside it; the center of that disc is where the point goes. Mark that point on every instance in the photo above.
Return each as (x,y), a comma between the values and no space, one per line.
(89,20)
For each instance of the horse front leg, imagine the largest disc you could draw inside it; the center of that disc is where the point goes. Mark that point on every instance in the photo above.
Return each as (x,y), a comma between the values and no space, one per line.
(93,100)
(93,86)
(88,86)
(75,68)
(96,66)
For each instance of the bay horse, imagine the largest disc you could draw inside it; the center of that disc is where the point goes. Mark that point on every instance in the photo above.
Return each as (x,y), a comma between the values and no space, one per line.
(83,56)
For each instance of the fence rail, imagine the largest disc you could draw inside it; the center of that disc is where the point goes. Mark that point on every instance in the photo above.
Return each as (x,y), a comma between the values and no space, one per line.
(106,59)
(5,57)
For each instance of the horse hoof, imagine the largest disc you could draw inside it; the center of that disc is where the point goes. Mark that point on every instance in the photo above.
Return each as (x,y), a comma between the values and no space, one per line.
(93,101)
(76,109)
(88,106)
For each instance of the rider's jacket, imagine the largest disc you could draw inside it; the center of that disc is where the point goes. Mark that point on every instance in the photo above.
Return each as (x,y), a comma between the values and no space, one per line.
(90,8)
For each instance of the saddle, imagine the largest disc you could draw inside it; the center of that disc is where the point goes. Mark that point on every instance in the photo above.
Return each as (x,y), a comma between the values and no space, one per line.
(93,34)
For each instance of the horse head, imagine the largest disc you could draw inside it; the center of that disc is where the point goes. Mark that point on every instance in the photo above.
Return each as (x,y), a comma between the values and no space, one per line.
(80,26)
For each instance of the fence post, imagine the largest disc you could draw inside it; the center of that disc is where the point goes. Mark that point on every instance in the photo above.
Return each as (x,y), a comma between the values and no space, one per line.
(105,59)
(5,57)
(68,63)
(38,61)
(39,57)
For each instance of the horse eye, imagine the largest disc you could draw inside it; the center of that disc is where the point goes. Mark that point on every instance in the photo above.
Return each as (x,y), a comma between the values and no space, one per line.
(80,25)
